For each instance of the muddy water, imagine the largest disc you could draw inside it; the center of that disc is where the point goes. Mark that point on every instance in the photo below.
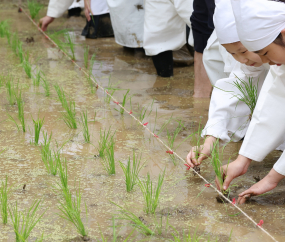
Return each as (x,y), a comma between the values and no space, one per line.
(184,201)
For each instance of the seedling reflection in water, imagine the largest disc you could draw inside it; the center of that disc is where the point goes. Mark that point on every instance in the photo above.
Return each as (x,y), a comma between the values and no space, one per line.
(151,193)
(131,171)
(4,191)
(24,222)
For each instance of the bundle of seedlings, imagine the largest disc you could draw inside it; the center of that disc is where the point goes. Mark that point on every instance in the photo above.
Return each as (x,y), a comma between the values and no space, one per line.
(151,193)
(38,124)
(70,205)
(24,222)
(4,193)
(108,160)
(104,141)
(216,162)
(34,8)
(135,221)
(131,171)
(69,117)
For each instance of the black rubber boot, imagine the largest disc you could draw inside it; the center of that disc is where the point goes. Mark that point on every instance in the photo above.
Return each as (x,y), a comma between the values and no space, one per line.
(99,26)
(163,63)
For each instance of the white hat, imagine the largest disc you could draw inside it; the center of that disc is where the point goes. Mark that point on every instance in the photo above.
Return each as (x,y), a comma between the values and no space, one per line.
(224,22)
(258,22)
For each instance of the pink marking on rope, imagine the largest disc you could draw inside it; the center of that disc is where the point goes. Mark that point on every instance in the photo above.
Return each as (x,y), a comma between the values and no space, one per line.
(155,135)
(188,167)
(207,185)
(116,102)
(234,201)
(80,68)
(107,92)
(260,223)
(145,124)
(46,37)
(97,86)
(130,112)
(72,61)
(169,152)
(20,10)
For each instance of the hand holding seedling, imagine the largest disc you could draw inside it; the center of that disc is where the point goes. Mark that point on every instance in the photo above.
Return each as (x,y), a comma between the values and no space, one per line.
(44,22)
(266,184)
(87,9)
(199,153)
(233,170)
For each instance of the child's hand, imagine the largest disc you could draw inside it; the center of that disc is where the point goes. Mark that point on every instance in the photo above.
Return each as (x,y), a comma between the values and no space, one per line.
(266,184)
(44,22)
(198,154)
(233,170)
(87,9)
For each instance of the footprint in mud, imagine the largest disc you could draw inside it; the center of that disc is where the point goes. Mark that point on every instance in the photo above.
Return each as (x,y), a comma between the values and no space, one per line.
(184,211)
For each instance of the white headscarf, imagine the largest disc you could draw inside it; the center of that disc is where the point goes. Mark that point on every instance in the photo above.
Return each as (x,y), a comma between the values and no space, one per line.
(224,22)
(258,22)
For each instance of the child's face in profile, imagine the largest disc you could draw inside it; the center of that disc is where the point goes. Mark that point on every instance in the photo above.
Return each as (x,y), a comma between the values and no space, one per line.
(242,55)
(273,53)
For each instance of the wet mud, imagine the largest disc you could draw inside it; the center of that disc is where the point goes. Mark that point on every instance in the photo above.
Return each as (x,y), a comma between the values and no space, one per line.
(185,203)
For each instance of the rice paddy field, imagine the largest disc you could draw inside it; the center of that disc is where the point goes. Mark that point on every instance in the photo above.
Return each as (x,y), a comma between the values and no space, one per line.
(68,149)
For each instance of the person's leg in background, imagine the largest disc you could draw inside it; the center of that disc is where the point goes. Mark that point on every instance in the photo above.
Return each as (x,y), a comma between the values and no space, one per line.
(202,26)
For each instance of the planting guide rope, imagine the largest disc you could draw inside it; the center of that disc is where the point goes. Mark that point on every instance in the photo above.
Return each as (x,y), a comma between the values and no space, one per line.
(144,125)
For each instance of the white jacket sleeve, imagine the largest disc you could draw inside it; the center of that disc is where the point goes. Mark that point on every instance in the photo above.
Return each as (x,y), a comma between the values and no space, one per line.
(228,118)
(267,128)
(56,8)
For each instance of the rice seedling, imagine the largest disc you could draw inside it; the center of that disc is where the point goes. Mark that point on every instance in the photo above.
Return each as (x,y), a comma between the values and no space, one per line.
(123,103)
(20,51)
(38,124)
(84,122)
(63,175)
(45,149)
(186,236)
(20,104)
(86,54)
(37,77)
(159,225)
(216,161)
(109,157)
(70,42)
(14,42)
(70,209)
(14,121)
(197,140)
(151,193)
(11,91)
(111,91)
(104,140)
(45,85)
(4,27)
(58,36)
(142,111)
(34,8)
(135,221)
(131,171)
(4,191)
(90,78)
(248,93)
(27,65)
(69,116)
(24,222)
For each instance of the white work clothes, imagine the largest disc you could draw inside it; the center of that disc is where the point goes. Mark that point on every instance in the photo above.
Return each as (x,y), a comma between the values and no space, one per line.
(267,128)
(228,118)
(165,25)
(56,8)
(76,4)
(99,7)
(217,61)
(127,21)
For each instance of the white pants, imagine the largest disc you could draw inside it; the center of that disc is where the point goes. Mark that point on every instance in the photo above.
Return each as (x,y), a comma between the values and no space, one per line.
(217,61)
(165,25)
(228,118)
(127,18)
